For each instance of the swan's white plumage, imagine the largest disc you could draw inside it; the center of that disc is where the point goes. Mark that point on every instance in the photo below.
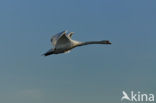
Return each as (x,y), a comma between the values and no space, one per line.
(62,43)
(63,40)
(70,34)
(56,37)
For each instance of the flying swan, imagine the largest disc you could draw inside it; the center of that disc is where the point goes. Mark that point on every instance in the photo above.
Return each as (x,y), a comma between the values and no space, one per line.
(62,43)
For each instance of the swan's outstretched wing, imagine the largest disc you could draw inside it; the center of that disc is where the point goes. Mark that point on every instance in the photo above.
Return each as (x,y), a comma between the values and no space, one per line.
(51,51)
(63,42)
(56,37)
(70,34)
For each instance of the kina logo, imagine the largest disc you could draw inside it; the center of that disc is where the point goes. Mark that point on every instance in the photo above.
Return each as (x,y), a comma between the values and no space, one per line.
(137,97)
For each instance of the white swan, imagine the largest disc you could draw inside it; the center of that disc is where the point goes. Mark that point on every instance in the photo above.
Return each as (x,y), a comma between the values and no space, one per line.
(62,43)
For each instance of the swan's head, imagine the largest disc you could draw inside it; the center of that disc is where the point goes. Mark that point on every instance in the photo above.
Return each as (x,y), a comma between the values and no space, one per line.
(105,42)
(108,42)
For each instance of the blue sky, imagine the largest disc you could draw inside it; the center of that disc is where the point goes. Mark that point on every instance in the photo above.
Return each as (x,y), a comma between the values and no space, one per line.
(89,74)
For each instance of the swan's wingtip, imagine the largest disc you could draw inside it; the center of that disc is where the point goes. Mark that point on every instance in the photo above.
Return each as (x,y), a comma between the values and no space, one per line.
(46,54)
(43,55)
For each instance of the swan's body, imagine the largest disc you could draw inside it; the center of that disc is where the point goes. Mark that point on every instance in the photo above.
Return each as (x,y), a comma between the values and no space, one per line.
(62,43)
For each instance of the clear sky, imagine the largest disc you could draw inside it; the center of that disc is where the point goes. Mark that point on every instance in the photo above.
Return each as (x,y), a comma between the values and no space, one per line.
(89,74)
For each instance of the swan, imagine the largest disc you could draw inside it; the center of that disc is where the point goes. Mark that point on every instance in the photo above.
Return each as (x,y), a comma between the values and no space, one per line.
(62,43)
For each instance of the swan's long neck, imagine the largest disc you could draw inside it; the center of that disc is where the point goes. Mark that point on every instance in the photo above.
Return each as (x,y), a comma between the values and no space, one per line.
(95,42)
